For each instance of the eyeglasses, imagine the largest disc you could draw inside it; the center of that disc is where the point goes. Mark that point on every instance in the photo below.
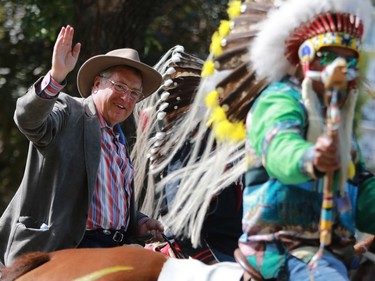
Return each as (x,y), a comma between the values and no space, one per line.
(326,58)
(122,88)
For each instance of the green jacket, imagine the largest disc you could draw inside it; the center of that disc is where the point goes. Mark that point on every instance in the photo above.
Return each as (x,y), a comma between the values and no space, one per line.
(283,194)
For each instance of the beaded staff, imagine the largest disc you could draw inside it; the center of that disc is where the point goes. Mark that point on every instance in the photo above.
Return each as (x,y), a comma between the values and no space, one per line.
(334,77)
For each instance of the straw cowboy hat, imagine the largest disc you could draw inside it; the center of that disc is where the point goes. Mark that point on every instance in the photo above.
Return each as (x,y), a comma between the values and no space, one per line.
(151,79)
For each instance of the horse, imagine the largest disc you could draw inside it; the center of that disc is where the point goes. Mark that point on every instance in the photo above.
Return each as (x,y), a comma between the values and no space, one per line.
(130,262)
(133,263)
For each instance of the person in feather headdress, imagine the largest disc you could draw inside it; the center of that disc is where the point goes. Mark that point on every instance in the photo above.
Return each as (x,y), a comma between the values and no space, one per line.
(307,190)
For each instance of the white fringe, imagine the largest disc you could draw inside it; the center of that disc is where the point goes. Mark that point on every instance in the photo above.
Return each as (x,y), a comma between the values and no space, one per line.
(346,136)
(199,180)
(314,110)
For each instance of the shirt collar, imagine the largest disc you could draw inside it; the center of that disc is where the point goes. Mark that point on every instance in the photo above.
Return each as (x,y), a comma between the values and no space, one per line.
(116,130)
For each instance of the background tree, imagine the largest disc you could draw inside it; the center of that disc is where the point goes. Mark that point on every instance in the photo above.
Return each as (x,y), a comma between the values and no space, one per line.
(28,31)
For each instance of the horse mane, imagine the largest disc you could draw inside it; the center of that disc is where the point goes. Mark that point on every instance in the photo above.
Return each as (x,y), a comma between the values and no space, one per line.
(24,264)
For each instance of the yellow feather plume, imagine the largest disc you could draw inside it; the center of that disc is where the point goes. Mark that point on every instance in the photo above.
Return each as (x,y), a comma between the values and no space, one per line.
(224,28)
(215,46)
(208,68)
(223,129)
(234,9)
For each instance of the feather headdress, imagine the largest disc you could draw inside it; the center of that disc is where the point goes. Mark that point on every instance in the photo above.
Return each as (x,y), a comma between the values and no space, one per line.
(274,52)
(227,88)
(160,119)
(233,95)
(170,116)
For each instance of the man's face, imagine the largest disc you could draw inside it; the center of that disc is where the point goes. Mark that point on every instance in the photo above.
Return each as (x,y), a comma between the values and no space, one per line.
(112,96)
(326,56)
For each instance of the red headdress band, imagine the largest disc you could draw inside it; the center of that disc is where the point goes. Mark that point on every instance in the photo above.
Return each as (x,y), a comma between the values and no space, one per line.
(323,23)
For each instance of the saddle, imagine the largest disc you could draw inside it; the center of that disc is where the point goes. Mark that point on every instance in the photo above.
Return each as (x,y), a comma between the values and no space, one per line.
(169,248)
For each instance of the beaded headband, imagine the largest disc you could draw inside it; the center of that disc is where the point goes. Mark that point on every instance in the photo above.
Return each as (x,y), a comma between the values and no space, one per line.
(339,30)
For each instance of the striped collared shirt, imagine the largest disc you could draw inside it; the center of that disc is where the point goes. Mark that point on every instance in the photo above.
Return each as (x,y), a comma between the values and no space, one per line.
(111,198)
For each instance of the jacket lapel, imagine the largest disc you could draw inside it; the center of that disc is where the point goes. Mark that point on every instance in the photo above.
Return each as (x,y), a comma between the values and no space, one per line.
(92,139)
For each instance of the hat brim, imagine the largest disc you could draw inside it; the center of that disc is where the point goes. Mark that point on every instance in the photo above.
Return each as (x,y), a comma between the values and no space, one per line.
(151,79)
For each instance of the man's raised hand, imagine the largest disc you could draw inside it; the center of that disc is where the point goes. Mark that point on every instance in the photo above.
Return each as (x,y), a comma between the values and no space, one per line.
(65,55)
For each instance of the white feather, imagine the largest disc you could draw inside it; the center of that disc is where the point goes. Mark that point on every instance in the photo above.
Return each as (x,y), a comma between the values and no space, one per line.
(268,48)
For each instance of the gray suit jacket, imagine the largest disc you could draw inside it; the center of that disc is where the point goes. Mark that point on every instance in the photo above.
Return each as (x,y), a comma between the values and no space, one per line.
(50,209)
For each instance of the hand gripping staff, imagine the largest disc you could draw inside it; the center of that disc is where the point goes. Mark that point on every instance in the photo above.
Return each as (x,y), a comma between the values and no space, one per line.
(334,78)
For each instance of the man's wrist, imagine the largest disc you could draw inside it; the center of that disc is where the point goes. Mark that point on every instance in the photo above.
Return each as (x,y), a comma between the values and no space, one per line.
(49,88)
(59,79)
